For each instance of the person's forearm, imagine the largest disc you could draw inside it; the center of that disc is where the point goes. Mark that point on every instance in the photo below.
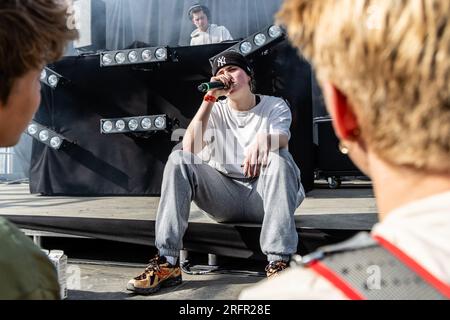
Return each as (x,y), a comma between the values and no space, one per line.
(273,142)
(278,141)
(193,139)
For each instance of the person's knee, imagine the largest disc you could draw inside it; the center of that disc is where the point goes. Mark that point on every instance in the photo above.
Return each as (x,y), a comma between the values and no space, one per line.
(281,165)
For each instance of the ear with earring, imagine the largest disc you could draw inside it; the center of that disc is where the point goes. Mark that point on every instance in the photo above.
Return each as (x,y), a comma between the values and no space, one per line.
(342,147)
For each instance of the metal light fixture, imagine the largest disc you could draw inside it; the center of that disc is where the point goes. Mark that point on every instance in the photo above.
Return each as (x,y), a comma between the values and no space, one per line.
(135,124)
(245,47)
(258,41)
(160,122)
(146,55)
(50,77)
(275,31)
(133,56)
(161,54)
(146,123)
(120,58)
(107,59)
(45,135)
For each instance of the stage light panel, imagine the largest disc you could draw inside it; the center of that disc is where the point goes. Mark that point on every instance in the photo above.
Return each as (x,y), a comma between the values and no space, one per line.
(133,56)
(50,77)
(258,41)
(46,135)
(134,124)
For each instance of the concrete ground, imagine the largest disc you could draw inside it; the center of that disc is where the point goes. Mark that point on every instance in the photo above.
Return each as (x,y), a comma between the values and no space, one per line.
(106,282)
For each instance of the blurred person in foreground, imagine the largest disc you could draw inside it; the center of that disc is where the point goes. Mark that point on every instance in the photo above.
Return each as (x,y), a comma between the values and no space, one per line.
(384,67)
(32,34)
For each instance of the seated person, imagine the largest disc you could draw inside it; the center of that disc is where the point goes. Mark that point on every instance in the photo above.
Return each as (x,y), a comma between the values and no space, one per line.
(246,174)
(206,33)
(384,68)
(32,34)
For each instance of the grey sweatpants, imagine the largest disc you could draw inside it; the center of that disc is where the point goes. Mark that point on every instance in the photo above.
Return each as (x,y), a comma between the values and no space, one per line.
(270,199)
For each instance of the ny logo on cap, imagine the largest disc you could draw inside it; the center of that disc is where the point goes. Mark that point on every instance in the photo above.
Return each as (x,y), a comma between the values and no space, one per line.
(221,61)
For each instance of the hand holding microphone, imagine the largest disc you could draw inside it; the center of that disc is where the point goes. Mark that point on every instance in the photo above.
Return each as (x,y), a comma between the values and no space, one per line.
(206,86)
(218,86)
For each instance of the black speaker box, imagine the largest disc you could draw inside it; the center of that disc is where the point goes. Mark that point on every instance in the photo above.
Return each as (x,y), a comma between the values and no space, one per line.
(329,160)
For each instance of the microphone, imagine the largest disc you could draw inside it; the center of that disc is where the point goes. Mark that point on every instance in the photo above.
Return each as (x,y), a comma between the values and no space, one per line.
(205,87)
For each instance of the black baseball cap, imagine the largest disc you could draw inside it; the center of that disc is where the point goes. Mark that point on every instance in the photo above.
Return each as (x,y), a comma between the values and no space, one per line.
(231,58)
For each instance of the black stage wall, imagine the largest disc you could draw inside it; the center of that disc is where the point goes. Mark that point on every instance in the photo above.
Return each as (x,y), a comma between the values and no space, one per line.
(120,164)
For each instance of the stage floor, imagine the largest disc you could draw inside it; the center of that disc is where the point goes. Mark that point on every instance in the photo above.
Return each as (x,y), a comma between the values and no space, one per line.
(326,216)
(15,199)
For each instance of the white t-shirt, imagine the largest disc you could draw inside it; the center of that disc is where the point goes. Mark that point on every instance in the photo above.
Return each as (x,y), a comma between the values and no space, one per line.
(229,132)
(214,34)
(421,229)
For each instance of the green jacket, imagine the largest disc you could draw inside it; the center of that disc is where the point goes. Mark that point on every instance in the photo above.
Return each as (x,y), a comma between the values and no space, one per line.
(25,271)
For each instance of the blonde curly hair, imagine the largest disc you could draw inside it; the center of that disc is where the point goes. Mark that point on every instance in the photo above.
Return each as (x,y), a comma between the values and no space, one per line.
(392,60)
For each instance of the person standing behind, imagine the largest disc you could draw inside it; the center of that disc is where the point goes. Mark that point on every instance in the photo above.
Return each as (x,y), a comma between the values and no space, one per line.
(206,33)
(32,34)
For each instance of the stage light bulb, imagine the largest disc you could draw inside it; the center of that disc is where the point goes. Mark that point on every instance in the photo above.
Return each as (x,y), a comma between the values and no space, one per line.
(146,55)
(120,125)
(160,122)
(146,123)
(53,80)
(133,56)
(43,74)
(133,124)
(107,126)
(43,135)
(107,59)
(274,31)
(246,47)
(55,142)
(161,54)
(32,129)
(120,57)
(259,39)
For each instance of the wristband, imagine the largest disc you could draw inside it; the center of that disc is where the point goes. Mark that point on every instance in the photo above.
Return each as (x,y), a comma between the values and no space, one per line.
(210,98)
